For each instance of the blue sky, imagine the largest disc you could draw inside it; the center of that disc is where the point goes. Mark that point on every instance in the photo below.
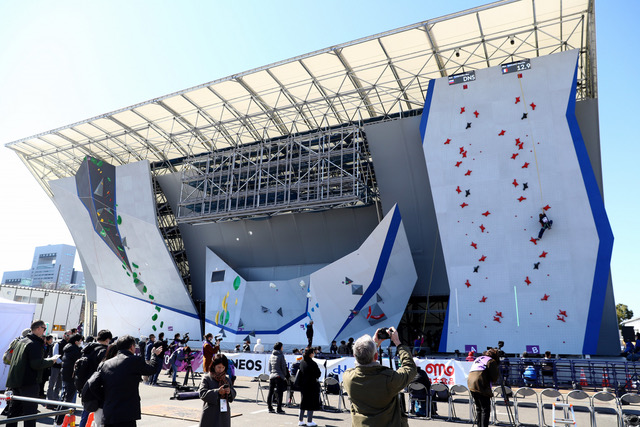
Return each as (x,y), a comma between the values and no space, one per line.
(65,61)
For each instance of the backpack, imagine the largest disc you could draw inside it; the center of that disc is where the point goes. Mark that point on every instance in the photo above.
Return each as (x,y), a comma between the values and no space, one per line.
(81,372)
(334,388)
(6,357)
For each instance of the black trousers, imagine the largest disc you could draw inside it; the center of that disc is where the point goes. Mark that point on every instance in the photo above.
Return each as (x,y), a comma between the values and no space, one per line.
(18,408)
(277,385)
(483,409)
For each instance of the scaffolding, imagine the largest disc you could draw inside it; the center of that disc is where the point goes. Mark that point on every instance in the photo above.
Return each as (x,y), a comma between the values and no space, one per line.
(325,169)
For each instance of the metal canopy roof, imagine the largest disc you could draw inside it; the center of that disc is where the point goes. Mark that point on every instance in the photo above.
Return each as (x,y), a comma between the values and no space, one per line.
(376,76)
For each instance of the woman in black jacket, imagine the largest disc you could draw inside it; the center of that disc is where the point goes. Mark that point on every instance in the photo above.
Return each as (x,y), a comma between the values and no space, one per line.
(71,353)
(307,382)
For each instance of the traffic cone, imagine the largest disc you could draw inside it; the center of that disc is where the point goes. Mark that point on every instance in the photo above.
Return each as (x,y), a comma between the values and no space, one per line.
(583,378)
(90,419)
(605,378)
(69,421)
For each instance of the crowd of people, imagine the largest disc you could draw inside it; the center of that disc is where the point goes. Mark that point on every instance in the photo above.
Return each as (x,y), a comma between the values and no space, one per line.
(106,372)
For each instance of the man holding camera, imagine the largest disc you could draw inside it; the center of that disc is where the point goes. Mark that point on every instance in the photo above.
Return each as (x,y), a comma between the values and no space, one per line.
(373,388)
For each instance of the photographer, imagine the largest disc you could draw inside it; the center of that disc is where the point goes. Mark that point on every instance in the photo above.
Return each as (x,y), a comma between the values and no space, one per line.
(182,353)
(483,372)
(209,350)
(373,388)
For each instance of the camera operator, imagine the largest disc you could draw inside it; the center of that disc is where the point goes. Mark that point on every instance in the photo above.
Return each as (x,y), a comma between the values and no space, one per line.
(373,388)
(483,372)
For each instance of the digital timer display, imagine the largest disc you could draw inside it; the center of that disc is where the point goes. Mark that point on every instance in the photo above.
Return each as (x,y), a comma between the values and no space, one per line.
(469,76)
(514,67)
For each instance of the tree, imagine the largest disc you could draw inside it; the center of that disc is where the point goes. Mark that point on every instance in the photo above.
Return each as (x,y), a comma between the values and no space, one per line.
(623,313)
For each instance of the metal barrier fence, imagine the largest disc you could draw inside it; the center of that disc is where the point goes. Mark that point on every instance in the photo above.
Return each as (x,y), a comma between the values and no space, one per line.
(569,373)
(8,396)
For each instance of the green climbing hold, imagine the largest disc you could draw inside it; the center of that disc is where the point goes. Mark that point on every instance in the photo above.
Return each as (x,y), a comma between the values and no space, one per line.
(226,317)
(120,221)
(108,179)
(120,248)
(154,327)
(103,233)
(162,324)
(100,163)
(158,308)
(135,274)
(154,317)
(134,265)
(236,283)
(151,297)
(144,289)
(128,274)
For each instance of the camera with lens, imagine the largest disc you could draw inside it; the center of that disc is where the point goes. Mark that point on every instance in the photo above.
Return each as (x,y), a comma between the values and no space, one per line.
(383,334)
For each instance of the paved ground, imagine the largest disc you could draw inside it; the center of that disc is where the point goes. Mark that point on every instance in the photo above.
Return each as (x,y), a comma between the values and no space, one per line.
(160,410)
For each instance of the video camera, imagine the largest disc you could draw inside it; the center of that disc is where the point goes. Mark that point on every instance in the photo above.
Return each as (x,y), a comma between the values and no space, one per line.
(384,333)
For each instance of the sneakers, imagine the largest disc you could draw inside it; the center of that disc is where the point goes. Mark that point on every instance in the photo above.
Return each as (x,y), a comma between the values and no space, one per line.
(271,411)
(280,411)
(311,424)
(302,423)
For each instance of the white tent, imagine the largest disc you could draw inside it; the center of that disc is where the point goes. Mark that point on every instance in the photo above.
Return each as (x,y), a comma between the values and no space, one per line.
(14,318)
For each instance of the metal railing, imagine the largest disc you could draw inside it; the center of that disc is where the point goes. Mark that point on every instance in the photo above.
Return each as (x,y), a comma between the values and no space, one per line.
(8,396)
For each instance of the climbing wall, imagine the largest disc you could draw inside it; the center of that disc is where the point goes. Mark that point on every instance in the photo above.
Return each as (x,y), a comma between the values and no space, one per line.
(110,212)
(352,296)
(501,147)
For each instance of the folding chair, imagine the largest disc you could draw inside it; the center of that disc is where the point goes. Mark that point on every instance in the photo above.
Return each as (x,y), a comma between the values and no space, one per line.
(459,393)
(441,388)
(498,399)
(418,388)
(630,407)
(525,397)
(554,396)
(581,402)
(605,402)
(263,384)
(328,382)
(291,400)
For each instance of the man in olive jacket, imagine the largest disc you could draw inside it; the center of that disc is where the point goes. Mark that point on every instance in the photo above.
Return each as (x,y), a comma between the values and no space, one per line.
(373,388)
(25,372)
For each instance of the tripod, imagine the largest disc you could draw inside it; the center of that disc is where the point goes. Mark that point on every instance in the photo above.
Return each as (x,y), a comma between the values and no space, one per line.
(505,396)
(188,370)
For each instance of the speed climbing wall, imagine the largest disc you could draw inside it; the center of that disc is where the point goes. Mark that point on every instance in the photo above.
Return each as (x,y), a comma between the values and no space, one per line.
(502,145)
(110,212)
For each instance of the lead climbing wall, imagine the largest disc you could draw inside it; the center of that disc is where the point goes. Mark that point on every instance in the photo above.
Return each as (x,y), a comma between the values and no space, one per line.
(501,148)
(110,212)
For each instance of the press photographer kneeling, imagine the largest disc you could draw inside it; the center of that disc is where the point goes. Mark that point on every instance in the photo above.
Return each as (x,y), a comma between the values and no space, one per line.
(373,388)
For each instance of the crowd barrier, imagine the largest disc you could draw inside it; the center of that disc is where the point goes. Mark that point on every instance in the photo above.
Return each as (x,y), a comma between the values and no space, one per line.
(560,373)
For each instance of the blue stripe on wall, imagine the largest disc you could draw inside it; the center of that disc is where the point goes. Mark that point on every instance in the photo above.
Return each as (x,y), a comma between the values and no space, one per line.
(605,235)
(427,106)
(166,307)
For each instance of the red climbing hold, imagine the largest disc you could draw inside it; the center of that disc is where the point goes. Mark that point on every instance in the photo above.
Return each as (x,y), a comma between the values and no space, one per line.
(546,208)
(563,313)
(487,213)
(468,173)
(501,132)
(465,86)
(458,163)
(518,141)
(463,205)
(461,150)
(496,319)
(525,166)
(464,154)
(461,110)
(521,198)
(533,106)
(447,141)
(484,299)
(514,155)
(476,113)
(475,245)
(458,189)
(527,281)
(545,297)
(467,283)
(517,99)
(482,258)
(482,228)
(499,313)
(561,318)
(515,183)
(543,254)
(534,240)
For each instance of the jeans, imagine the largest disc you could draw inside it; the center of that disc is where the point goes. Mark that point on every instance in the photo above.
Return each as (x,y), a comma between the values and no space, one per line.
(55,383)
(483,408)
(68,395)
